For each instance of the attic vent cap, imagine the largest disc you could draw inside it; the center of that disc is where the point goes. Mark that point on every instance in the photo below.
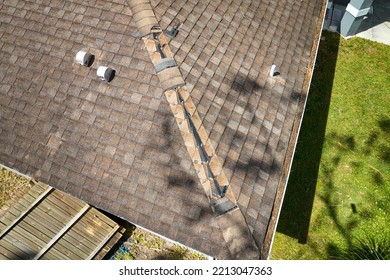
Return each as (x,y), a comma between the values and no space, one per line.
(105,73)
(85,58)
(273,72)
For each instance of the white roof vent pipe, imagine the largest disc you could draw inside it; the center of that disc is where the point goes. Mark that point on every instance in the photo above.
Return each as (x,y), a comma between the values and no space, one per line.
(105,73)
(85,58)
(273,72)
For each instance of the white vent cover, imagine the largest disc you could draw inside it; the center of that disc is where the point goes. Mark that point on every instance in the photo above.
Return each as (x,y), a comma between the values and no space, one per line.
(105,73)
(84,58)
(273,72)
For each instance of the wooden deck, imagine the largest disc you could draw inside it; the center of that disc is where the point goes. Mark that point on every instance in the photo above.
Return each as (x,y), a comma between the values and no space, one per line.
(48,224)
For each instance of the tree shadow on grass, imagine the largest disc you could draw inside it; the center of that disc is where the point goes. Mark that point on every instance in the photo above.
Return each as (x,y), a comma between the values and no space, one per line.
(342,148)
(297,206)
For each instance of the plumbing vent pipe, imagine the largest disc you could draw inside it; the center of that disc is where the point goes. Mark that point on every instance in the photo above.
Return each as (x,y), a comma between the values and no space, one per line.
(273,72)
(85,58)
(105,73)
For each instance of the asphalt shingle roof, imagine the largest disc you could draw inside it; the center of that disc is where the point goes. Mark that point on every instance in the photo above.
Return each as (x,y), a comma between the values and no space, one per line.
(118,145)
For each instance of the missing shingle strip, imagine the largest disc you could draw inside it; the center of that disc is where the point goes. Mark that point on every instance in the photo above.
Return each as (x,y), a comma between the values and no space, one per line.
(194,134)
(206,164)
(196,138)
(161,51)
(217,190)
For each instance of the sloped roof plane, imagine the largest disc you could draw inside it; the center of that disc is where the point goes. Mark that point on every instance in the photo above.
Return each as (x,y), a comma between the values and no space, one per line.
(190,138)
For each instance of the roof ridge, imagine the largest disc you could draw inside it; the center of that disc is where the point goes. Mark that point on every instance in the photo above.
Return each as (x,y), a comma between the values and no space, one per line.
(230,219)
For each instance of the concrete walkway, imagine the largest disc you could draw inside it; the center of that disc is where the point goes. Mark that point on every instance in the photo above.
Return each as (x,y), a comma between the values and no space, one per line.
(376,26)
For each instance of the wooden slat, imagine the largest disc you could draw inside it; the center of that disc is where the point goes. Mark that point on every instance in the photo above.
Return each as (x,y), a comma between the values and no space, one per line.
(95,222)
(2,257)
(99,215)
(104,241)
(8,252)
(93,227)
(52,209)
(32,234)
(69,250)
(43,232)
(16,210)
(25,237)
(80,244)
(55,238)
(54,255)
(11,252)
(34,192)
(10,216)
(57,213)
(60,214)
(8,245)
(54,226)
(79,238)
(43,222)
(73,202)
(69,241)
(111,243)
(25,251)
(94,232)
(4,222)
(39,232)
(24,203)
(64,207)
(84,227)
(25,212)
(37,184)
(80,230)
(46,234)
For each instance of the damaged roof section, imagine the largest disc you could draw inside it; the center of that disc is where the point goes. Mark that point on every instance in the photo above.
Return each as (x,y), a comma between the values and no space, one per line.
(189,139)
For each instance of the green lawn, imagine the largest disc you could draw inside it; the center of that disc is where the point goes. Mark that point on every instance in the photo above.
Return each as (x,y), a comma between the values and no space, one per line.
(339,188)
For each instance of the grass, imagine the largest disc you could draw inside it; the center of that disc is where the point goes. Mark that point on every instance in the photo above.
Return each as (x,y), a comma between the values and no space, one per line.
(338,197)
(11,186)
(142,245)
